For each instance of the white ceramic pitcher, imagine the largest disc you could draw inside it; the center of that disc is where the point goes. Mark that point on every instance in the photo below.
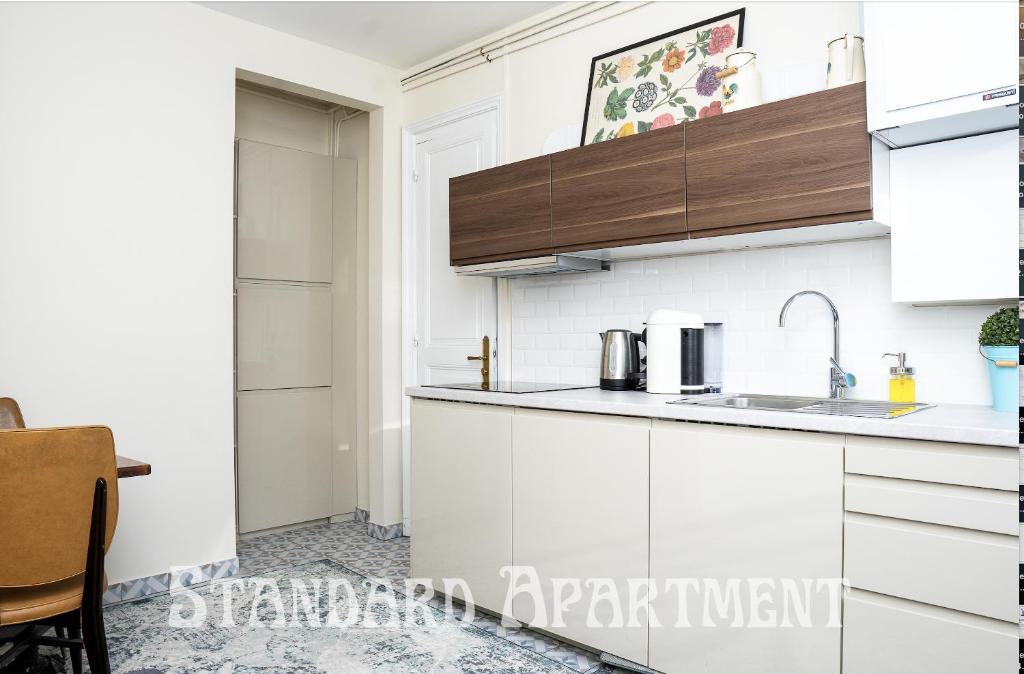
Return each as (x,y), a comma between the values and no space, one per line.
(742,89)
(845,61)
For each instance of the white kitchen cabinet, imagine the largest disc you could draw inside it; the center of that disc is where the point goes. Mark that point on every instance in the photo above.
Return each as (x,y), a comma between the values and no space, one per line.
(953,219)
(580,505)
(882,634)
(462,497)
(284,457)
(745,503)
(284,336)
(939,70)
(284,213)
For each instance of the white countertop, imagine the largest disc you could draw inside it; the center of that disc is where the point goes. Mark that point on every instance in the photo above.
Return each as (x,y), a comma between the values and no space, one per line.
(972,424)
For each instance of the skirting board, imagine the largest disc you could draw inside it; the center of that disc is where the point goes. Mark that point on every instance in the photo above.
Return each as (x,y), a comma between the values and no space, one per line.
(131,590)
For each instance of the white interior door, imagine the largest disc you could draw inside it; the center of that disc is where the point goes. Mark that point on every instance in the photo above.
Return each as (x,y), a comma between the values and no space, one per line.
(452,313)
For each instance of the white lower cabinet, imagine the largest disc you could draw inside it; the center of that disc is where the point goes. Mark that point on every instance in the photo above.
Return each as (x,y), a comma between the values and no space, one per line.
(462,497)
(579,498)
(747,511)
(885,635)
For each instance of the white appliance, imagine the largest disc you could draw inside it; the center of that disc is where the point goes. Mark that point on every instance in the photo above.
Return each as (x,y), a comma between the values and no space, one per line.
(916,94)
(675,352)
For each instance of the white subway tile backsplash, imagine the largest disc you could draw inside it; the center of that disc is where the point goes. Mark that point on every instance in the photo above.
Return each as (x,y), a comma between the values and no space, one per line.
(556,320)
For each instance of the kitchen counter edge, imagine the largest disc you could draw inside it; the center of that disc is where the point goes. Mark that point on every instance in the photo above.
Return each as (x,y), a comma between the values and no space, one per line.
(966,424)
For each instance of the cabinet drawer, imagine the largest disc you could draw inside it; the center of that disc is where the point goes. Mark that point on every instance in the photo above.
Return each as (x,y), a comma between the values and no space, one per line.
(971,571)
(946,462)
(883,634)
(955,506)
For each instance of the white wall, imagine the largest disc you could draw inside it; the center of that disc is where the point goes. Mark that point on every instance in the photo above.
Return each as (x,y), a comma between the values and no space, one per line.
(115,222)
(556,321)
(545,86)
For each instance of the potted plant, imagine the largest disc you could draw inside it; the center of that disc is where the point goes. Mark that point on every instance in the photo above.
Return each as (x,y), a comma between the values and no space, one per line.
(999,342)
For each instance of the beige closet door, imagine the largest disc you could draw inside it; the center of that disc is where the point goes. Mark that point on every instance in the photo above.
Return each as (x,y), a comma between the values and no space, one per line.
(284,462)
(284,336)
(284,213)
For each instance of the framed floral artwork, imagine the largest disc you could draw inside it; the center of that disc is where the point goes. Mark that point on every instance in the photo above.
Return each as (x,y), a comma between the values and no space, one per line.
(660,82)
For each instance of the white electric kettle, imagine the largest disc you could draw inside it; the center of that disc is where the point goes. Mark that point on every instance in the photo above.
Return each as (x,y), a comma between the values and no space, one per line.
(845,61)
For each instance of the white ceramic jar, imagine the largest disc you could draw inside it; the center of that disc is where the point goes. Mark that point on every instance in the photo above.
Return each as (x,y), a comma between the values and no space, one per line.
(845,61)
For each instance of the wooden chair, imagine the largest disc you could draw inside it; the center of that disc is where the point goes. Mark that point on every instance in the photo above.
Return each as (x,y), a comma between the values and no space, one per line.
(51,571)
(10,414)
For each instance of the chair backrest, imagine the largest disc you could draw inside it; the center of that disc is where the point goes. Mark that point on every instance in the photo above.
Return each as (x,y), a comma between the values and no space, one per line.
(10,414)
(47,480)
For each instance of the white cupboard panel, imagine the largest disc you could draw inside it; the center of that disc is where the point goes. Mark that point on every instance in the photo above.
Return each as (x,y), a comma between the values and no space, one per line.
(965,570)
(579,497)
(284,457)
(742,503)
(953,209)
(912,102)
(955,506)
(284,336)
(462,497)
(883,635)
(945,462)
(284,213)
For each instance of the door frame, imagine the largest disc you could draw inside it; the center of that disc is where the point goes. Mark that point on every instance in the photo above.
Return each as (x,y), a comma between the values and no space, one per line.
(410,136)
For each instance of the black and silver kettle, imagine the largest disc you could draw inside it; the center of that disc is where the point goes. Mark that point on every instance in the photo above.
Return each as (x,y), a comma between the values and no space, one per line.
(621,365)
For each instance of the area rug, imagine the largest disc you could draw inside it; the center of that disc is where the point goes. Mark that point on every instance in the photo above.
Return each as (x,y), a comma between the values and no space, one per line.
(165,634)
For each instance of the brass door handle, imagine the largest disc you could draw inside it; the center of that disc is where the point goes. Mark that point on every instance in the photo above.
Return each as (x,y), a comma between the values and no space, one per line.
(485,361)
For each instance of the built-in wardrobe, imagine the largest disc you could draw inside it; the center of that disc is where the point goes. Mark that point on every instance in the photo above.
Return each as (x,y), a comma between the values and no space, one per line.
(295,307)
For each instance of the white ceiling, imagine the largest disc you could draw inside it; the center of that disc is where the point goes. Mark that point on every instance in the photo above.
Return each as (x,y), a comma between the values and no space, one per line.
(398,34)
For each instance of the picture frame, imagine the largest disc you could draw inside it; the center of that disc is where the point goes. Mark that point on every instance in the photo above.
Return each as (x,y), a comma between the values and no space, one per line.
(662,83)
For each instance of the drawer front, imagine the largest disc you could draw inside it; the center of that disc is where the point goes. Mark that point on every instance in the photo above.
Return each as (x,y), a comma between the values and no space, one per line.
(946,462)
(970,571)
(955,506)
(883,635)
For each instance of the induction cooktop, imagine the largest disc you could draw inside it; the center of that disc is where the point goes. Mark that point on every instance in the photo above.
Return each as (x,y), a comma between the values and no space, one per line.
(513,386)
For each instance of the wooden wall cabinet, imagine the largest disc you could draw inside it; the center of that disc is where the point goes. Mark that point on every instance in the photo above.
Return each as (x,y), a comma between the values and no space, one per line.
(800,161)
(792,163)
(502,213)
(627,191)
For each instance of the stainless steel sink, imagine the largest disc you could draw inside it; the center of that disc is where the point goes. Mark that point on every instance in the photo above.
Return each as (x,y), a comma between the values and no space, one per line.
(873,409)
(759,402)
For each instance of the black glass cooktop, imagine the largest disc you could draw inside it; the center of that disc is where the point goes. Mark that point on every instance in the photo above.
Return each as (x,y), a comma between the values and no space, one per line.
(513,386)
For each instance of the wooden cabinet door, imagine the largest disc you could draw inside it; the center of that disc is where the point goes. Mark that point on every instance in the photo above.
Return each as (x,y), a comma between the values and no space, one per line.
(795,162)
(579,501)
(757,507)
(462,497)
(503,213)
(626,191)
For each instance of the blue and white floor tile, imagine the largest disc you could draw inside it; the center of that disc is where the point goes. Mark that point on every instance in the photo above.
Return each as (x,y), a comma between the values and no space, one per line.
(348,544)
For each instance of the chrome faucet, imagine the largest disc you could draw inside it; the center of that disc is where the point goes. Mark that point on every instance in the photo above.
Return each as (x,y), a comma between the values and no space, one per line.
(839,381)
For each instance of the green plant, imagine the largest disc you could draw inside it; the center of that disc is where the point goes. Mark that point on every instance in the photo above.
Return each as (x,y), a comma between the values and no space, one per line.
(1001,329)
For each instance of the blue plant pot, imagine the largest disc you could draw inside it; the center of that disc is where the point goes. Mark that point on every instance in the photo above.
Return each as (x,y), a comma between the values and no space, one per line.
(1005,381)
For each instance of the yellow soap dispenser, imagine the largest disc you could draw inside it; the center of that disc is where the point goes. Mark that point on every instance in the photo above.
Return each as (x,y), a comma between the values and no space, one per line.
(901,380)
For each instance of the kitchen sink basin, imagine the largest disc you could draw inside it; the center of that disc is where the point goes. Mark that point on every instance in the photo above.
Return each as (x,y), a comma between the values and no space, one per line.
(873,409)
(759,402)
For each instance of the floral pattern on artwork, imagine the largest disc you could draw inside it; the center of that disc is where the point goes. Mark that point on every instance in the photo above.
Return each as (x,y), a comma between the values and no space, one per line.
(660,83)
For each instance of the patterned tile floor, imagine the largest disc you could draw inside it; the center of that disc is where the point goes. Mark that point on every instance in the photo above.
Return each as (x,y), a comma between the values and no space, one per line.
(349,544)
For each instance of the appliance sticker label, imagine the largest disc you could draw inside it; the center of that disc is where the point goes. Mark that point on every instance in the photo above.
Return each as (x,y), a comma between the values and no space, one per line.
(999,94)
